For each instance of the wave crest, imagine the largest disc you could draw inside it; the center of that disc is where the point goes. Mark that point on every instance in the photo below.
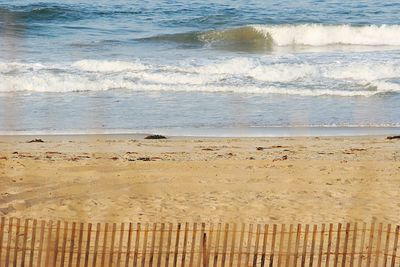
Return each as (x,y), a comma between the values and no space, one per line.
(267,36)
(321,35)
(248,35)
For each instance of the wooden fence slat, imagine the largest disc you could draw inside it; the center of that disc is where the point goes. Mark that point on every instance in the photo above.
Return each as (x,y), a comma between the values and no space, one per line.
(153,243)
(64,244)
(289,246)
(144,249)
(305,244)
(160,246)
(194,232)
(185,238)
(2,226)
(103,253)
(258,232)
(24,242)
(337,247)
(370,243)
(225,244)
(137,243)
(328,250)
(176,247)
(361,255)
(346,241)
(217,245)
(241,245)
(113,233)
(321,245)
(378,245)
(271,259)
(233,243)
(353,245)
(264,245)
(121,241)
(88,237)
(96,244)
(385,254)
(313,240)
(48,247)
(41,240)
(296,246)
(9,238)
(128,245)
(396,239)
(169,244)
(204,248)
(280,249)
(15,259)
(80,237)
(71,247)
(56,243)
(203,238)
(210,240)
(248,248)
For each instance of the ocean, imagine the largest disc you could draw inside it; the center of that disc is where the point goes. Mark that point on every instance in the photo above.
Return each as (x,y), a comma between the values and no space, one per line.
(219,68)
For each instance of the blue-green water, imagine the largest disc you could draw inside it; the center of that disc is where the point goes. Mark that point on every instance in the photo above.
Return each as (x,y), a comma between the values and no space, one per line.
(170,65)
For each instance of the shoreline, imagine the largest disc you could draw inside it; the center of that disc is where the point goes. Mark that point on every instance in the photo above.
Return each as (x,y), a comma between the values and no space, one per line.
(249,132)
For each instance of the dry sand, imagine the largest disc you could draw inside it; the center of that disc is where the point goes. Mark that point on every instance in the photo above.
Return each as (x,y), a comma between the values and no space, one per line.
(118,178)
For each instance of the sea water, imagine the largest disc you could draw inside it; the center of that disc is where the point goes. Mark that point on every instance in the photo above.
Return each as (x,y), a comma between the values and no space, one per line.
(200,67)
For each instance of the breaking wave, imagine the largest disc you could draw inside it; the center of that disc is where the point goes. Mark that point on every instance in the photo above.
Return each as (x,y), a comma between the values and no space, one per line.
(236,75)
(288,35)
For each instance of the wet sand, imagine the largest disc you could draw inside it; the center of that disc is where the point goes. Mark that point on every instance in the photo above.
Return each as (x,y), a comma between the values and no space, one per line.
(118,178)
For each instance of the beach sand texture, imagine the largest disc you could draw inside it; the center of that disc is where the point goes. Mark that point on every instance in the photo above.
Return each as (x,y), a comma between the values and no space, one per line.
(115,178)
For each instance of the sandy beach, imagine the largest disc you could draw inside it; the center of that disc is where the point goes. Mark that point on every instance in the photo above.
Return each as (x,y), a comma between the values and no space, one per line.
(114,178)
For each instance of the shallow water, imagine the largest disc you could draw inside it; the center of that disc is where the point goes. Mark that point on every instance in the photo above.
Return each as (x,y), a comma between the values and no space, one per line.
(173,65)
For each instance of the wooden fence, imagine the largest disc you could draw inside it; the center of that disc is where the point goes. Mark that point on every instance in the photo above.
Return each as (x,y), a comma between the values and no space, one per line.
(55,243)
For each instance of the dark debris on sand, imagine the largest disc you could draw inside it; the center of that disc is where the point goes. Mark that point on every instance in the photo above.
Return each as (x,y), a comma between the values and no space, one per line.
(393,137)
(36,141)
(155,136)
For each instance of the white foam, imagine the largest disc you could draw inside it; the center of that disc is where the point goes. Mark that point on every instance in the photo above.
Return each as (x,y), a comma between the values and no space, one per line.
(19,66)
(108,66)
(229,66)
(383,86)
(322,35)
(50,82)
(255,69)
(175,78)
(364,71)
(238,75)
